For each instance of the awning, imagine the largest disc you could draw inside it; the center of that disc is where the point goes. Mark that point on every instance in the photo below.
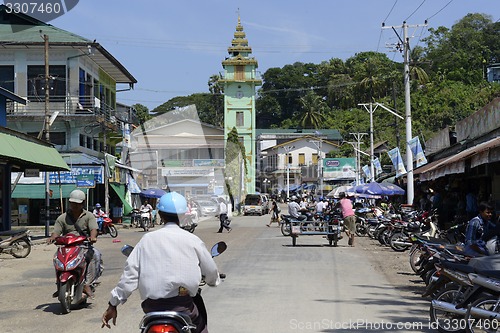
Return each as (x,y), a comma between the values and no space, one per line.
(26,154)
(37,191)
(456,163)
(120,191)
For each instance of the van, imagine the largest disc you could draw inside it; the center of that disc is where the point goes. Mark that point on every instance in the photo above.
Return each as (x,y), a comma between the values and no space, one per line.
(255,204)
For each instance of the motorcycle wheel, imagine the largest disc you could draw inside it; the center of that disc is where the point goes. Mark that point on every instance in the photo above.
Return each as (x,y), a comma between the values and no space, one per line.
(285,229)
(65,296)
(416,259)
(398,236)
(474,324)
(360,229)
(145,224)
(443,319)
(112,231)
(20,248)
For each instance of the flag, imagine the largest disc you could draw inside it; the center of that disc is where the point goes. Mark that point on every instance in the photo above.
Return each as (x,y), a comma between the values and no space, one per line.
(397,161)
(417,151)
(366,170)
(376,164)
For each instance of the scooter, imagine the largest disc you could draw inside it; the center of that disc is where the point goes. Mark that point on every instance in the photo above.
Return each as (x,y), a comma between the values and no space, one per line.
(145,219)
(70,262)
(16,243)
(106,226)
(172,321)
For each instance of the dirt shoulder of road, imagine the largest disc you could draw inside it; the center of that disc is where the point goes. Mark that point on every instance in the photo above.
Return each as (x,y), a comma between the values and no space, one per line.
(395,266)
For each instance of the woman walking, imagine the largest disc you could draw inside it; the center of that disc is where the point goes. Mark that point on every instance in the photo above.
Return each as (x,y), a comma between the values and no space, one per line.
(275,213)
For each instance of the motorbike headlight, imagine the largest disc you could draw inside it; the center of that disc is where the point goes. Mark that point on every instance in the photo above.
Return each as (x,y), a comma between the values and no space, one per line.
(73,263)
(58,264)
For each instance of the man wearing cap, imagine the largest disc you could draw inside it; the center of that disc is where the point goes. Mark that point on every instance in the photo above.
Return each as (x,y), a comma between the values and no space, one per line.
(80,222)
(294,209)
(98,212)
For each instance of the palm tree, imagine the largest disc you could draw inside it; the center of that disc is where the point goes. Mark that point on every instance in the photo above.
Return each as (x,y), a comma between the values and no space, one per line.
(314,111)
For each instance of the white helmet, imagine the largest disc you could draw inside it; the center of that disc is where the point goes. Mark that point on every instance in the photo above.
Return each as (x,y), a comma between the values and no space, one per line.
(293,198)
(77,196)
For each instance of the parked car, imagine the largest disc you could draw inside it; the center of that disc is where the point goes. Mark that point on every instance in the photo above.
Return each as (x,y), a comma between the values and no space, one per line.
(207,207)
(255,204)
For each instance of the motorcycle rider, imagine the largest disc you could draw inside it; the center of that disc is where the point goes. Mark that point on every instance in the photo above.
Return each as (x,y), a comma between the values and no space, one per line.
(146,207)
(79,221)
(166,266)
(99,213)
(294,209)
(479,225)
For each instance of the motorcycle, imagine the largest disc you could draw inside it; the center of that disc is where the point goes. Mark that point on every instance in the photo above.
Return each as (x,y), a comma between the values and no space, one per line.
(172,321)
(187,223)
(106,226)
(16,243)
(70,263)
(145,220)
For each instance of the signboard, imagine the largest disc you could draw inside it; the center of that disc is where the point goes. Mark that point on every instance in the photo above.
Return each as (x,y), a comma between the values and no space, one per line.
(85,181)
(339,168)
(31,173)
(69,177)
(170,172)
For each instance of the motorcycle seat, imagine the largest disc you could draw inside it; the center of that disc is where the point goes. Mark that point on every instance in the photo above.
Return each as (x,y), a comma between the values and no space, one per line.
(464,268)
(12,232)
(158,315)
(489,273)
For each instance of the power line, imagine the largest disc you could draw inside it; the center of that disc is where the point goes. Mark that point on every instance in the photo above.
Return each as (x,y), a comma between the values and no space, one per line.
(440,10)
(415,10)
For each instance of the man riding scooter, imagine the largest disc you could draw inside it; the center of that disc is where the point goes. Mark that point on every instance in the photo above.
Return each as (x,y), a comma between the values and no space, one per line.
(78,221)
(99,215)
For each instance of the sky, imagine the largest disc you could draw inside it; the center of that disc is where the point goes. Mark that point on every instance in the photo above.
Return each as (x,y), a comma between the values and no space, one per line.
(173,47)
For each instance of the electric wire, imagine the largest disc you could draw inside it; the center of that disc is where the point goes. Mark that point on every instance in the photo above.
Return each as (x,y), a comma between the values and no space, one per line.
(415,10)
(428,19)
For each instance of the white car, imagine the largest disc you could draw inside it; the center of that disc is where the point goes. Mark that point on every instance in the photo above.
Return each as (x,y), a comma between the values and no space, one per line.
(207,207)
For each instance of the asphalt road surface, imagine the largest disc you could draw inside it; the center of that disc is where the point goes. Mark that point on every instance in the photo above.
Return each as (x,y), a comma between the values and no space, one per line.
(271,286)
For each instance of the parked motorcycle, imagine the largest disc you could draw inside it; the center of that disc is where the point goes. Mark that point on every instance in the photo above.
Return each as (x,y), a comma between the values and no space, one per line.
(106,226)
(172,321)
(16,243)
(70,262)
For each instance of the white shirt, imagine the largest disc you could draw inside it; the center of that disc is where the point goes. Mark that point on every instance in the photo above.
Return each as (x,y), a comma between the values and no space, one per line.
(319,207)
(293,209)
(163,261)
(222,208)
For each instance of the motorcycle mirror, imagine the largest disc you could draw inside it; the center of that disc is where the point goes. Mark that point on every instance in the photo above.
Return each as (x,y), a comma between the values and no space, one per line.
(126,250)
(218,249)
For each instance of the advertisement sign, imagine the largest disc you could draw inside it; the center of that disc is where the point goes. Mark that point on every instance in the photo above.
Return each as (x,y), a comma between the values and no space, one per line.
(341,168)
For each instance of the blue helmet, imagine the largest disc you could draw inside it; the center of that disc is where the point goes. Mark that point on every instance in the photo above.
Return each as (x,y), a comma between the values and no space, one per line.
(172,203)
(97,205)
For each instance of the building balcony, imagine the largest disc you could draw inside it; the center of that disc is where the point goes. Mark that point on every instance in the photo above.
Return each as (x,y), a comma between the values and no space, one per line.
(72,106)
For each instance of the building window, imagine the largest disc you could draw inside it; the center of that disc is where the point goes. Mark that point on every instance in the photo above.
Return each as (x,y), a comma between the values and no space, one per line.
(290,159)
(36,83)
(89,142)
(56,138)
(240,119)
(239,73)
(7,77)
(302,159)
(315,159)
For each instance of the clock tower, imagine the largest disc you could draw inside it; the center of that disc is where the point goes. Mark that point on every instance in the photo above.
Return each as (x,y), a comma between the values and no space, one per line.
(240,81)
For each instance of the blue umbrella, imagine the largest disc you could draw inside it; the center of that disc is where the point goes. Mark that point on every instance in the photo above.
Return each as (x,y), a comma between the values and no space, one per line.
(375,188)
(153,193)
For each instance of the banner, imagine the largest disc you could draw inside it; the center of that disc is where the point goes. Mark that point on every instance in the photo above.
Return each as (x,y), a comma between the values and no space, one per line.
(397,161)
(366,170)
(417,151)
(376,164)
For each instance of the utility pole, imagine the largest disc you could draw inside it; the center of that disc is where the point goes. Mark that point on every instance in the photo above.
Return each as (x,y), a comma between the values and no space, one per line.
(357,150)
(371,110)
(287,150)
(47,135)
(406,56)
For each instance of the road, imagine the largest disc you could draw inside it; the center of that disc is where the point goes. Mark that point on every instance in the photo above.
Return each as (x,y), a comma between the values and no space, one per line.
(270,287)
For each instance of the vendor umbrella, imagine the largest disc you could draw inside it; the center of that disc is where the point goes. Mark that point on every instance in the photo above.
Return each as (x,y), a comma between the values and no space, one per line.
(382,189)
(153,193)
(335,193)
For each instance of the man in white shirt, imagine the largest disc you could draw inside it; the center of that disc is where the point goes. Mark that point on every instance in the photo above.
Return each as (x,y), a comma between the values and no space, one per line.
(294,209)
(223,216)
(166,266)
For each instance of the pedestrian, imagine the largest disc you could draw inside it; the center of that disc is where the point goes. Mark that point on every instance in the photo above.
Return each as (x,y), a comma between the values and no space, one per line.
(275,213)
(349,217)
(479,225)
(224,221)
(166,266)
(80,222)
